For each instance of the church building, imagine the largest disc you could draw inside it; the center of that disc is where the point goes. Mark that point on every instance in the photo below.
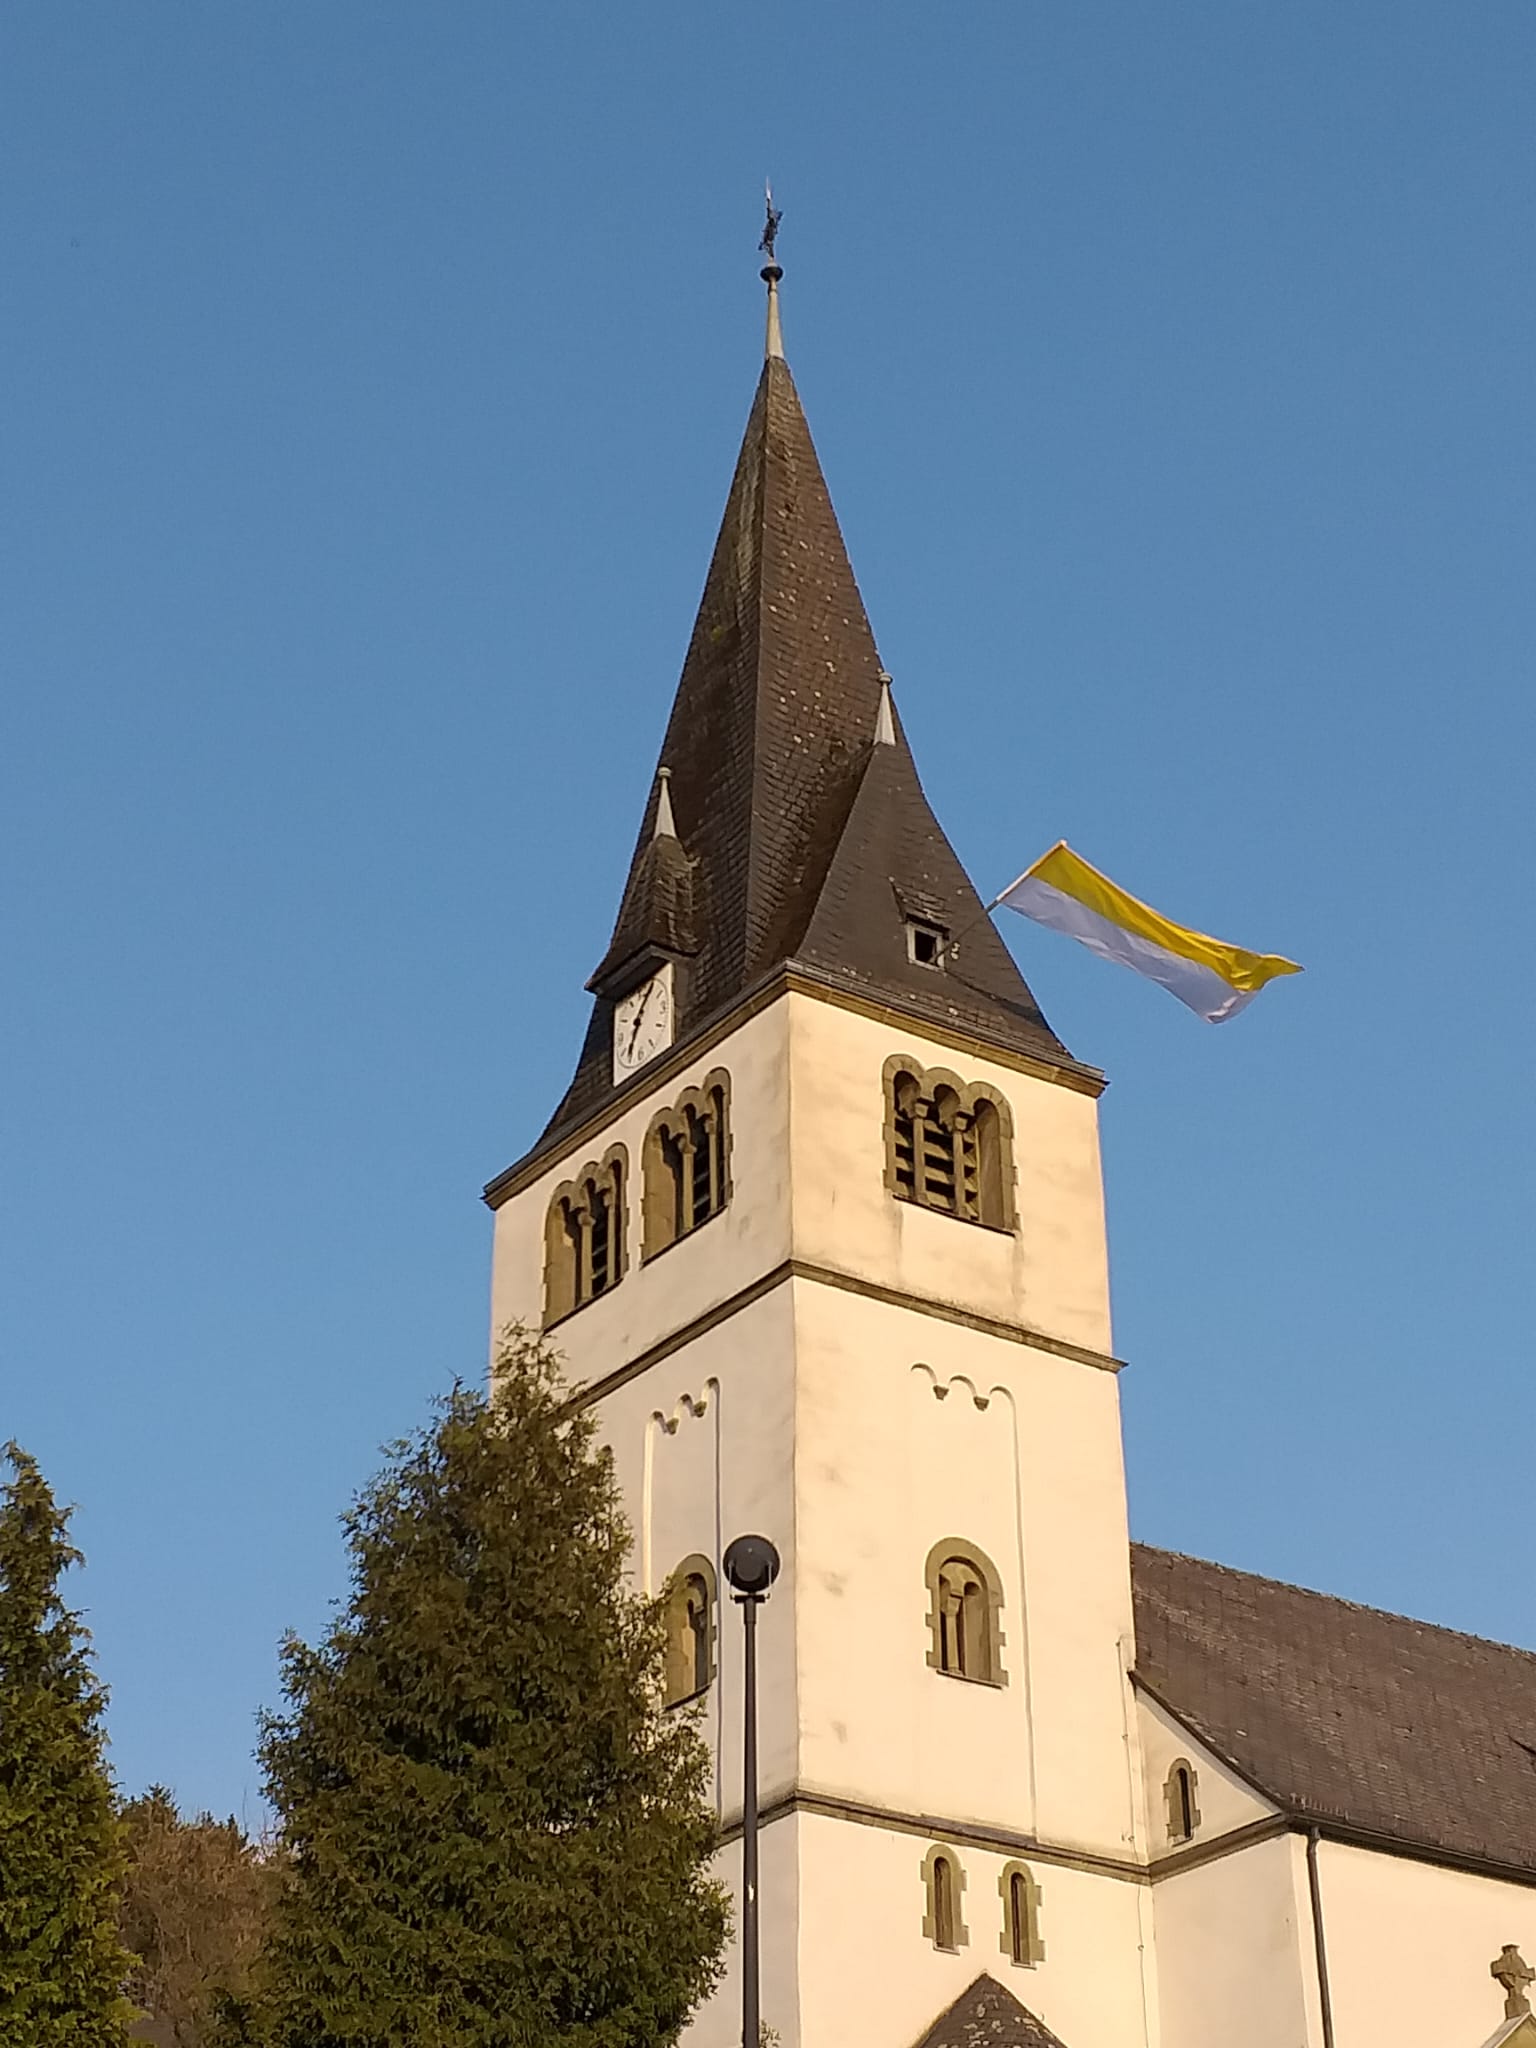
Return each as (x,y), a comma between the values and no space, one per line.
(819,1229)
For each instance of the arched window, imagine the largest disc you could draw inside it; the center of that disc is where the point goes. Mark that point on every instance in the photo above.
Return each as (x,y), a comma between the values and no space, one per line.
(584,1236)
(1020,1940)
(905,1118)
(948,1145)
(965,1599)
(1179,1792)
(690,1626)
(687,1164)
(943,1882)
(992,1195)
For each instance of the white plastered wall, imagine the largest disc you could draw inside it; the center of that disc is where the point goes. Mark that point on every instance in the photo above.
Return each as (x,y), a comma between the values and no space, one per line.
(913,1427)
(868,1974)
(1409,1945)
(856,1433)
(1234,1953)
(1051,1274)
(1225,1801)
(911,1431)
(658,1297)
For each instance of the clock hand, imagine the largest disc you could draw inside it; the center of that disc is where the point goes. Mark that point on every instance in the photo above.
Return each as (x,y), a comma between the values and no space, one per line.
(635,1027)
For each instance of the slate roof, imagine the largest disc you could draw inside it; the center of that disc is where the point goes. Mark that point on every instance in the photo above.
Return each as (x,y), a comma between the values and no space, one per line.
(988,2016)
(1341,1713)
(800,837)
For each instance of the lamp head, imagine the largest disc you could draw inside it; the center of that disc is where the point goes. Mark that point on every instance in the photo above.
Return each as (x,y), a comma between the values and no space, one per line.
(751,1565)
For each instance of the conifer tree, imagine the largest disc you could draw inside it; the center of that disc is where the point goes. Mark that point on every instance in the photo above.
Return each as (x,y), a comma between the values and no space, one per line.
(498,1836)
(61,1965)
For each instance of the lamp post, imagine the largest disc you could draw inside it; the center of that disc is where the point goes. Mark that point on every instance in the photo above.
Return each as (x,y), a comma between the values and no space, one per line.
(751,1565)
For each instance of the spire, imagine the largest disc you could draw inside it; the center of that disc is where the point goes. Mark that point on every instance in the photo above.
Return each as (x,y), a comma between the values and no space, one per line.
(772,276)
(664,827)
(788,827)
(885,720)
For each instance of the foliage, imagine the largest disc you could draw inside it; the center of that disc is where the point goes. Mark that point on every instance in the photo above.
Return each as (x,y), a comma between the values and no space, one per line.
(196,1902)
(61,1965)
(499,1836)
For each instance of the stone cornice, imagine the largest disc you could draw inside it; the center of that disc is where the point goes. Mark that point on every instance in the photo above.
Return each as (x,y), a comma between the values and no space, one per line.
(850,1283)
(942,1828)
(791,980)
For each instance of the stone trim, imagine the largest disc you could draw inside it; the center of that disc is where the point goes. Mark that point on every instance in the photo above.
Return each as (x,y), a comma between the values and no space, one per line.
(1191,1855)
(1006,1842)
(563,1263)
(1081,1080)
(937,1828)
(850,1283)
(1026,1938)
(940,1555)
(959,1932)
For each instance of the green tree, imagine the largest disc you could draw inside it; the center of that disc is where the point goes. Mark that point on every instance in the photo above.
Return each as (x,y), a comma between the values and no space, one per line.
(61,1965)
(196,1902)
(498,1835)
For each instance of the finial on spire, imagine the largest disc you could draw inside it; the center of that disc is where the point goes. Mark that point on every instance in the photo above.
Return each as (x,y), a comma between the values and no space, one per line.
(664,828)
(885,717)
(772,272)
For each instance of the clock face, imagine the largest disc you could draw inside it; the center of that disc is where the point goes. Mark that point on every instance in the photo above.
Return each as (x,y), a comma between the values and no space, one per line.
(642,1024)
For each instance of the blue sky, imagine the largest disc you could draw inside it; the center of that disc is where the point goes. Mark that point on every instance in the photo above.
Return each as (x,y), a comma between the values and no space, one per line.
(374,377)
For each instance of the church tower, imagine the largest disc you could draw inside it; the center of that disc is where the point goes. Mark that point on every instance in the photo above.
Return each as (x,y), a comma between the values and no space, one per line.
(819,1228)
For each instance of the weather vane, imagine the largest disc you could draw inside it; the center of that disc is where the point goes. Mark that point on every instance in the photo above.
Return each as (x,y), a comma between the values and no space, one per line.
(770,225)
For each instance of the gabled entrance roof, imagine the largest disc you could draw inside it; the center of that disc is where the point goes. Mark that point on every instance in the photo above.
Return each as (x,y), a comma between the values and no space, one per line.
(988,2016)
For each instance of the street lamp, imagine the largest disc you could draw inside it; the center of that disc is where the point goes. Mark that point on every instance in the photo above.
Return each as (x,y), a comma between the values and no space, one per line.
(751,1565)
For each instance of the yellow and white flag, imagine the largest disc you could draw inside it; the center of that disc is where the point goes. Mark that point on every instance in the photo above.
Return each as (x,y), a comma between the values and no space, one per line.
(1216,980)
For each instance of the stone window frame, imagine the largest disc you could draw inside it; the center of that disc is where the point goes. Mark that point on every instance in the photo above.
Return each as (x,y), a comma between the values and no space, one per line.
(982,1174)
(1181,1800)
(1020,1943)
(668,1189)
(960,1934)
(569,1267)
(942,1553)
(697,1566)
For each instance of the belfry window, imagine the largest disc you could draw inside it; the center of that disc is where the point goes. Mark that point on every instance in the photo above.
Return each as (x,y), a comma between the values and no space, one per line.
(1021,1942)
(943,1882)
(584,1236)
(964,1614)
(948,1146)
(1179,1793)
(687,1164)
(690,1631)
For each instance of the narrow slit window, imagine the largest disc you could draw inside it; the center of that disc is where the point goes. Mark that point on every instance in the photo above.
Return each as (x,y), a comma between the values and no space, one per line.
(943,1903)
(943,1884)
(1021,1941)
(1183,1808)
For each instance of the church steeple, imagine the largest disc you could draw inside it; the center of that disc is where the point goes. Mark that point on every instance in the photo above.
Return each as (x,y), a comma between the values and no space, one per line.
(800,835)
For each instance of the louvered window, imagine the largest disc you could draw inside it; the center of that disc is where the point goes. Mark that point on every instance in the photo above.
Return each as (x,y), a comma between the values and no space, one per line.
(687,1152)
(584,1237)
(947,1148)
